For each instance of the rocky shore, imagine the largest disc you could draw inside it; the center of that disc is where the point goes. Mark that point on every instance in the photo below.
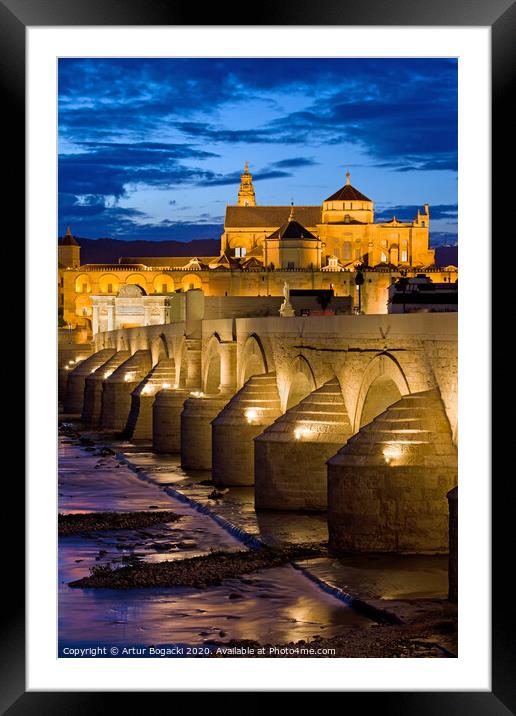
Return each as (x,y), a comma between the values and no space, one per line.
(198,572)
(430,632)
(74,524)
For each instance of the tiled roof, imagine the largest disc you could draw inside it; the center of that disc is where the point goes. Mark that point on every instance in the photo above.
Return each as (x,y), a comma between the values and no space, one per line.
(68,239)
(269,216)
(292,230)
(224,261)
(348,193)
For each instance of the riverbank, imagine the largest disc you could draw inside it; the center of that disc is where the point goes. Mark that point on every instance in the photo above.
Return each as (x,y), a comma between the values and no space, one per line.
(431,632)
(198,572)
(402,600)
(100,521)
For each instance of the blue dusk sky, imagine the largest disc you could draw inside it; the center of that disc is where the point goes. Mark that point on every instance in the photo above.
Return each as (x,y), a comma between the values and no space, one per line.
(154,148)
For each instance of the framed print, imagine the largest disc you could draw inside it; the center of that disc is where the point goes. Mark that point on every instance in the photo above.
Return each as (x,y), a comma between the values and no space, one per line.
(246,394)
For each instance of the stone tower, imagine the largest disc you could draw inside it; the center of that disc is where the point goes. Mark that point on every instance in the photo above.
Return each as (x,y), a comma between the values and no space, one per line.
(69,251)
(246,195)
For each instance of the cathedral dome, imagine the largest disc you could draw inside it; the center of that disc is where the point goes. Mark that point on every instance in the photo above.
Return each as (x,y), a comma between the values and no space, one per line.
(348,193)
(347,206)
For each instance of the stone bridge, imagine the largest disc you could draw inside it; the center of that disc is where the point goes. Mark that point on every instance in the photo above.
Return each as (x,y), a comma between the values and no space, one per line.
(353,414)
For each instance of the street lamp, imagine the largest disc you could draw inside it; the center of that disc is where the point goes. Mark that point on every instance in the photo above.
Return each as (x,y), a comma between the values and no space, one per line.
(359,280)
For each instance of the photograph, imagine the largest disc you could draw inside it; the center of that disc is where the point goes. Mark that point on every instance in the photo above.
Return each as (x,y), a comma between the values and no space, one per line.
(257,272)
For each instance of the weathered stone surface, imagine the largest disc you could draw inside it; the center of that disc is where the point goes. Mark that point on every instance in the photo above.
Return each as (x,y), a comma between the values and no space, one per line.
(93,388)
(117,389)
(198,412)
(387,486)
(166,420)
(139,422)
(247,414)
(74,400)
(290,456)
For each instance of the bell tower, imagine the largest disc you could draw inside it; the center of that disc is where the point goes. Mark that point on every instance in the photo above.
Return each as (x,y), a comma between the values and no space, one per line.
(246,195)
(69,251)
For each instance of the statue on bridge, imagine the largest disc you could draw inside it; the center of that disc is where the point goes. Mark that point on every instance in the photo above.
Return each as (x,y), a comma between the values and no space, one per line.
(286,310)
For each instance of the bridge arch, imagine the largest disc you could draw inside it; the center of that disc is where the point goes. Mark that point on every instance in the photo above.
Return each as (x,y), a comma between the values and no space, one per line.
(159,349)
(253,360)
(301,382)
(383,384)
(211,365)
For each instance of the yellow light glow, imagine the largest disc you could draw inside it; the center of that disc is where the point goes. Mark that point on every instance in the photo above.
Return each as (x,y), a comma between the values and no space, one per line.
(251,414)
(107,374)
(165,386)
(391,452)
(67,367)
(128,377)
(197,394)
(302,431)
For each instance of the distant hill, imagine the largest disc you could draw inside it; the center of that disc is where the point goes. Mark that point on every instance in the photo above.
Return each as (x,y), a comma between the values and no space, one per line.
(447,255)
(97,251)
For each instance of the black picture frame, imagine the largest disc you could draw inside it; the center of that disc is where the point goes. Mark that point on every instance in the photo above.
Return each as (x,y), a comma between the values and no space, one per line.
(500,16)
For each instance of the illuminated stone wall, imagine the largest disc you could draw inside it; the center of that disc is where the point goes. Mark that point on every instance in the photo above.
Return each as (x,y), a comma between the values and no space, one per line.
(80,285)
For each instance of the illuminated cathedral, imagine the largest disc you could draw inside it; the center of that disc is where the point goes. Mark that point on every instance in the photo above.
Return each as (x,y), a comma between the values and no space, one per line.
(313,248)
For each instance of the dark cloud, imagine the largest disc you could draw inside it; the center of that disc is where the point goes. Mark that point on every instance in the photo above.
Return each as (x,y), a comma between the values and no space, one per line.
(407,212)
(234,177)
(402,113)
(104,168)
(294,163)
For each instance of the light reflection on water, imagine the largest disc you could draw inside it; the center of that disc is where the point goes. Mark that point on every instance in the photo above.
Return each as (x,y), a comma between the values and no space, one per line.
(237,506)
(275,606)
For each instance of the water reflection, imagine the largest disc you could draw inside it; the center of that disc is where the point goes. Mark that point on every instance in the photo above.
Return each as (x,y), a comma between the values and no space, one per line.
(275,606)
(237,506)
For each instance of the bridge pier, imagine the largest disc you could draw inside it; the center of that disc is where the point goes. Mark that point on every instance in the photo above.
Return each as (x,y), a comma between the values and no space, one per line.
(93,388)
(166,419)
(248,413)
(74,399)
(117,389)
(139,422)
(193,358)
(196,418)
(387,486)
(290,455)
(168,404)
